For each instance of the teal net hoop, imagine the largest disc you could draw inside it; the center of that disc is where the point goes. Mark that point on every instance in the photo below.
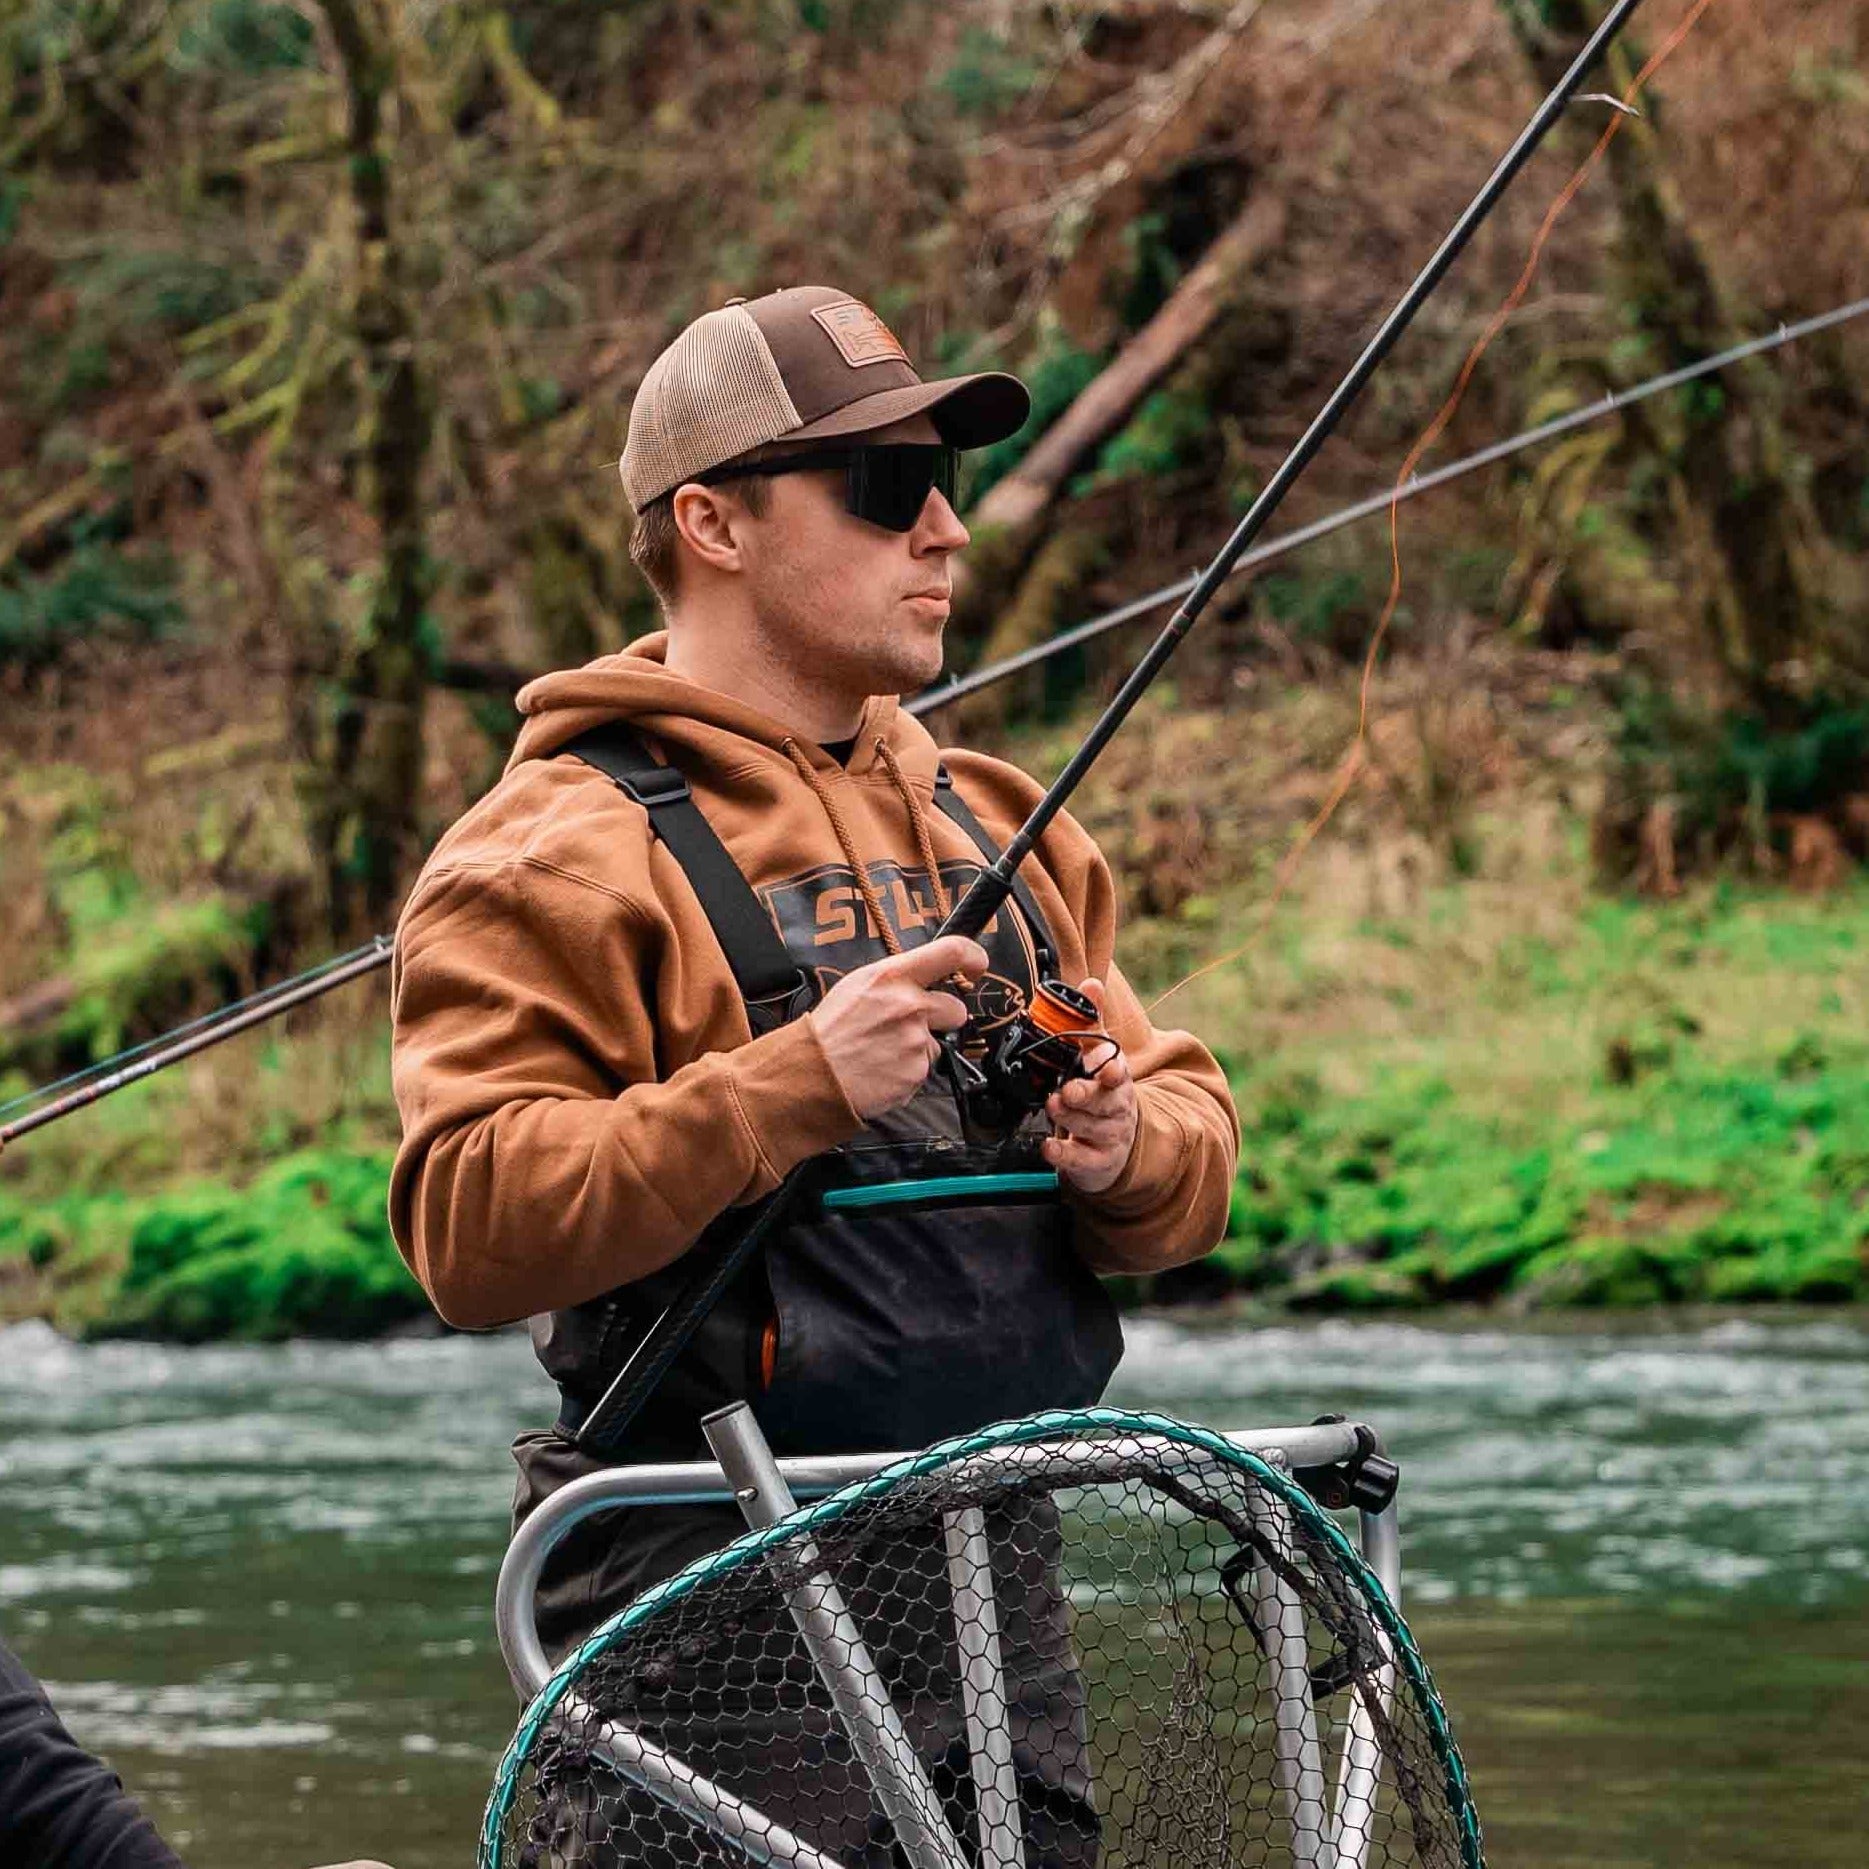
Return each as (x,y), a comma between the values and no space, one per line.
(1093,1639)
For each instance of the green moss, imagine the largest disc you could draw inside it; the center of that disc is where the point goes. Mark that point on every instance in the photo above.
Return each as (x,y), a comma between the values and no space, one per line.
(152,961)
(1056,376)
(1163,435)
(123,289)
(15,192)
(987,75)
(244,36)
(1314,607)
(1507,1162)
(1713,1184)
(304,1250)
(133,966)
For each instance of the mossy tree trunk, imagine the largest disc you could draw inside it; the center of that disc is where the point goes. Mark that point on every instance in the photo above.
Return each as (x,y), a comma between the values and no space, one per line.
(361,730)
(1749,525)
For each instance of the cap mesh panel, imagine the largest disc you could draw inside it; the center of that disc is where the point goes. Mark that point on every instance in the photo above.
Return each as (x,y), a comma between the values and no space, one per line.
(714,393)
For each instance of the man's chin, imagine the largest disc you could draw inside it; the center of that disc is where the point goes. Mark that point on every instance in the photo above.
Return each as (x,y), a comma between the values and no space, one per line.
(914,660)
(922,673)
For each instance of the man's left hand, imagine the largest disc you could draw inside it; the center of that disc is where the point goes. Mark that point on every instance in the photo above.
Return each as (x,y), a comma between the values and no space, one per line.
(1096,1116)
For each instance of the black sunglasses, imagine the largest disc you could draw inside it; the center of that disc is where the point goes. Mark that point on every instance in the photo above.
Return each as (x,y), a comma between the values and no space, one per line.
(887,482)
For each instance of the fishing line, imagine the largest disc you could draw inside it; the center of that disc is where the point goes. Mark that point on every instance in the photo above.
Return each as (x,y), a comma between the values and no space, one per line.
(932,700)
(1351,766)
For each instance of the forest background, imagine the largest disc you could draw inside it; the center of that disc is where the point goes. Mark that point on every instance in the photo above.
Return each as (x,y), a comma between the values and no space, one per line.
(319,323)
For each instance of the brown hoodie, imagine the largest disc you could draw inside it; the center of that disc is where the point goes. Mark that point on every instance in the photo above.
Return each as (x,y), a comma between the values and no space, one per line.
(579,1088)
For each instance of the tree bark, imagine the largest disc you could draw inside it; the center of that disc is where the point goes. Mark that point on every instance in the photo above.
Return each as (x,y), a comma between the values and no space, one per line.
(1009,520)
(35,1009)
(1748,522)
(1058,572)
(364,783)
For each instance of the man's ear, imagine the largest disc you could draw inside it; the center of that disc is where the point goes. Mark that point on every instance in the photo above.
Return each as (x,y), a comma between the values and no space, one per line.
(707,520)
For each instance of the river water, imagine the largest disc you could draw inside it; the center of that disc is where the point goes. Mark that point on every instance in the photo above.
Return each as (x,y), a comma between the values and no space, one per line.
(1636,1558)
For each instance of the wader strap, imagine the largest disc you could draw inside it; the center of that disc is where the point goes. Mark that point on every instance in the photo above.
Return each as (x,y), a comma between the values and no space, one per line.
(947,797)
(770,981)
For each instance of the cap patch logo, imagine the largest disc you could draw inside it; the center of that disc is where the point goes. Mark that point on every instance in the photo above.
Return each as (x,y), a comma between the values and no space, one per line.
(860,336)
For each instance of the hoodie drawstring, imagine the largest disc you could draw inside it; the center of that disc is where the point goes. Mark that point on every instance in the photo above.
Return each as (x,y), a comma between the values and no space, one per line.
(918,818)
(871,900)
(924,842)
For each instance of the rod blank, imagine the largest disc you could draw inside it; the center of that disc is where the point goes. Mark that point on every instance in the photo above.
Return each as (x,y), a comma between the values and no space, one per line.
(991,888)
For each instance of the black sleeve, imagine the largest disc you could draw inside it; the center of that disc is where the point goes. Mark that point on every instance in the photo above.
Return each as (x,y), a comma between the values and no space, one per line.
(60,1806)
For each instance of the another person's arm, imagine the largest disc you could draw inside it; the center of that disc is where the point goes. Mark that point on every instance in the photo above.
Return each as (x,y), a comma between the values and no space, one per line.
(61,1807)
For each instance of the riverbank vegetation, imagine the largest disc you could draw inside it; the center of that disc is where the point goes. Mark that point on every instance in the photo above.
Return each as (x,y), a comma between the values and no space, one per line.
(318,327)
(1499,1086)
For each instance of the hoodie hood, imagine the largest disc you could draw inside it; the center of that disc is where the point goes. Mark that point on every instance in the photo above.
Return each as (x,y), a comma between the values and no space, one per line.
(725,734)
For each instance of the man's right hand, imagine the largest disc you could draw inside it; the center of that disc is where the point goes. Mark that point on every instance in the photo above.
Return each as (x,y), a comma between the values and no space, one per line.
(877,1024)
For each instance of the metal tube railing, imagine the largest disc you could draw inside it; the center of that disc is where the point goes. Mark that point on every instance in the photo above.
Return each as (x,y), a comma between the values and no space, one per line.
(983,1689)
(701,1482)
(837,1649)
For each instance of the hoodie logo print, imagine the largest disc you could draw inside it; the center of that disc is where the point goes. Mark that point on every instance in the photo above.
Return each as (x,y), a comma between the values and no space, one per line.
(826,927)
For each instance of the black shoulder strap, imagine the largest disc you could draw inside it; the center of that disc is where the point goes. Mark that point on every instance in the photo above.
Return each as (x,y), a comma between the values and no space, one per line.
(947,797)
(768,978)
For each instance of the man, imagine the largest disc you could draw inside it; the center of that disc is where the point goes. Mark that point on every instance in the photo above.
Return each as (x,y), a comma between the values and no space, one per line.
(683,948)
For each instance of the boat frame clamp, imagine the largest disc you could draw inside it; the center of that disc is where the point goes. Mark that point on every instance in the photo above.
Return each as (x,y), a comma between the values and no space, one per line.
(1366,1479)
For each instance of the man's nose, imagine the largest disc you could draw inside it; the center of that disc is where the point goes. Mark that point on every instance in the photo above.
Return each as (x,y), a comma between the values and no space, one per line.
(939,528)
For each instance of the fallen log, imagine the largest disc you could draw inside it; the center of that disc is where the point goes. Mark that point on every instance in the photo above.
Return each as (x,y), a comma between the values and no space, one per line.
(1007,520)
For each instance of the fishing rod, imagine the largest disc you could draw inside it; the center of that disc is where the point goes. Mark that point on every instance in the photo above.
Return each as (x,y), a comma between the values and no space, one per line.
(1013,1072)
(141,1061)
(990,890)
(376,953)
(263,996)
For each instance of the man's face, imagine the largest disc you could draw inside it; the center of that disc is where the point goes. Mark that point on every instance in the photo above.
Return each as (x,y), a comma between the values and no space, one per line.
(864,605)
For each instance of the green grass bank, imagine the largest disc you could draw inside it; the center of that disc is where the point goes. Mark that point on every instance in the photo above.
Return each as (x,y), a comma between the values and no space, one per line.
(1500,1091)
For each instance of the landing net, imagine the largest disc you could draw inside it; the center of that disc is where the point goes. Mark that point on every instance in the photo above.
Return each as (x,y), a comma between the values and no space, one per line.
(1090,1639)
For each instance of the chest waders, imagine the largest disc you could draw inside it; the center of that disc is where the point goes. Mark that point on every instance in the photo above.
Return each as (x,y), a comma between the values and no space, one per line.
(912,1283)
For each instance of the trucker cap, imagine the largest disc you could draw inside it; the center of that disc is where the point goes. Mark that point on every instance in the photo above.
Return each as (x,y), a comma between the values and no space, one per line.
(797,365)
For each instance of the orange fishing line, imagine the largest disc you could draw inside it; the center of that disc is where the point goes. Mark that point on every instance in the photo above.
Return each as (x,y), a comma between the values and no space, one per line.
(1350,768)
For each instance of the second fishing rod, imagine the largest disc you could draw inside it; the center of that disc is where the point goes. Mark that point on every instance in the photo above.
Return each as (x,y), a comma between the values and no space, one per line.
(49,1102)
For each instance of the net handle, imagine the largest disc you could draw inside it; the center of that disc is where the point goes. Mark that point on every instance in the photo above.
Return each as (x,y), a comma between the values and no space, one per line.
(838,1651)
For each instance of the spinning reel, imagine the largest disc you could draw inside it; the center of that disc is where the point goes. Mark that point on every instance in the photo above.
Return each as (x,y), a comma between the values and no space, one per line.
(1004,1075)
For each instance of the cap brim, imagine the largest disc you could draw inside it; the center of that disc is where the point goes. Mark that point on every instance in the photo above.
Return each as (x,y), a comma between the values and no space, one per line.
(970,411)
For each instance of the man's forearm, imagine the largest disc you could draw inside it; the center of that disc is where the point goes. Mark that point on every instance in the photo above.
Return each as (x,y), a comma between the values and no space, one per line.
(547,1201)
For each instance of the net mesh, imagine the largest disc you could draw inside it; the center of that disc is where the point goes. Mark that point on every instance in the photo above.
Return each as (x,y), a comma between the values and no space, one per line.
(1117,1643)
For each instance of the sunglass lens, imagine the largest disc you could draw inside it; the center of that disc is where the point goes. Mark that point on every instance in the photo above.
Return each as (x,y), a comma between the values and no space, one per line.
(947,474)
(889,485)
